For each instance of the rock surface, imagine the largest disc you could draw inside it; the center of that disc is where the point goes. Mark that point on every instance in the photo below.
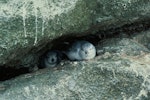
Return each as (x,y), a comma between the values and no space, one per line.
(26,26)
(123,74)
(120,70)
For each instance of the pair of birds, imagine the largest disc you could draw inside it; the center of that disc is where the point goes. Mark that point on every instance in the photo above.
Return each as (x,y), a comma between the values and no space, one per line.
(80,50)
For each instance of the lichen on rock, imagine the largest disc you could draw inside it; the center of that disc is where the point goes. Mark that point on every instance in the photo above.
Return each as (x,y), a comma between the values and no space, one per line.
(120,70)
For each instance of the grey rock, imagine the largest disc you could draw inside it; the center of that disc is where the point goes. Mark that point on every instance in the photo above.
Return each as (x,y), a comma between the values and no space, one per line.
(121,45)
(81,50)
(110,76)
(114,78)
(142,38)
(27,26)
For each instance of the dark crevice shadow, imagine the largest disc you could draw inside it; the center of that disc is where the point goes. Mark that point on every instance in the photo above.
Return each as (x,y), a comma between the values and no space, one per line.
(8,73)
(61,43)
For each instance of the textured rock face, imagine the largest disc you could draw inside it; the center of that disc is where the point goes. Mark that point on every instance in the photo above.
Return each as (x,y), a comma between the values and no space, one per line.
(123,74)
(109,76)
(120,71)
(26,26)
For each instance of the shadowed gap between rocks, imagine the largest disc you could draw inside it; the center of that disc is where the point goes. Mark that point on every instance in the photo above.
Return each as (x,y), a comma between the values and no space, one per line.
(127,31)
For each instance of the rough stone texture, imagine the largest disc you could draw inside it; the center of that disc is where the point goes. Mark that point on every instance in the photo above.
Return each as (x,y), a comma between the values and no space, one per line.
(26,26)
(120,71)
(119,45)
(120,75)
(143,38)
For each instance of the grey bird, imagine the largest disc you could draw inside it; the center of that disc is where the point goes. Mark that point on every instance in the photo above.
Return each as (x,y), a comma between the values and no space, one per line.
(81,50)
(50,59)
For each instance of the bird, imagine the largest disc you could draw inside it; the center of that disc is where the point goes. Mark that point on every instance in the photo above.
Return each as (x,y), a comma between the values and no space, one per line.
(81,50)
(50,59)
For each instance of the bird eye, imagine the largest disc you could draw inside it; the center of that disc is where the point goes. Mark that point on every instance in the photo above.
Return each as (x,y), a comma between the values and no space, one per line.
(52,60)
(86,52)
